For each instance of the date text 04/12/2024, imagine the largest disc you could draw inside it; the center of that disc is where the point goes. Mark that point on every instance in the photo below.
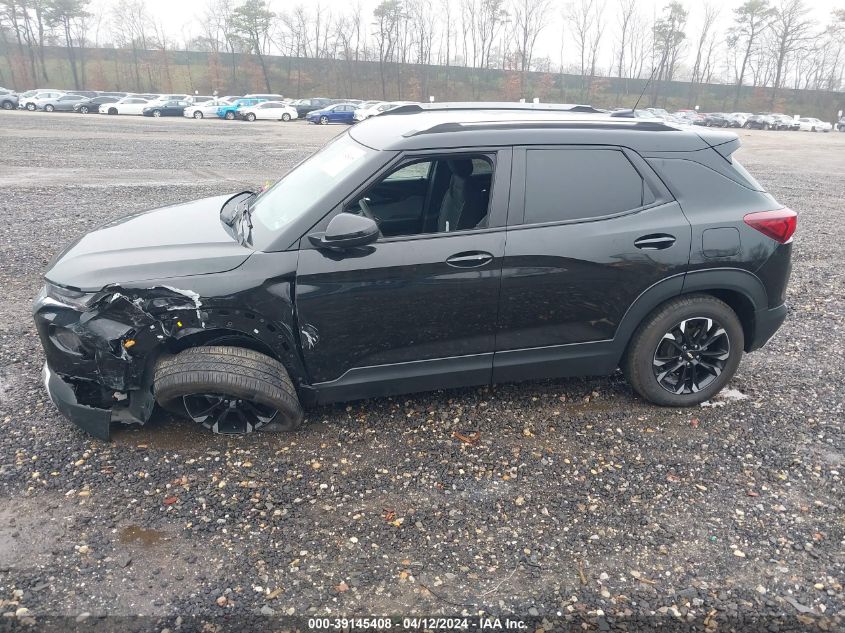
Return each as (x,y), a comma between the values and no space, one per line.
(412,623)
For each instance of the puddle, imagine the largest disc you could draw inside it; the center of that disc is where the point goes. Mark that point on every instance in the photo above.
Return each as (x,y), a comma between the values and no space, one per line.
(143,536)
(164,432)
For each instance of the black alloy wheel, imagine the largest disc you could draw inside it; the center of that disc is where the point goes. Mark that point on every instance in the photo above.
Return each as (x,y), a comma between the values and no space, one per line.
(691,355)
(227,414)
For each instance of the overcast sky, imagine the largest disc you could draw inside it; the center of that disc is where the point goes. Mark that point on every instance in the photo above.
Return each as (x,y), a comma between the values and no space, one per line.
(181,17)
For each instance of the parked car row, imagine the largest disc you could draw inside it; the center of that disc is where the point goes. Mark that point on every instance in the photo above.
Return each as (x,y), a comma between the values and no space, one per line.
(754,121)
(252,107)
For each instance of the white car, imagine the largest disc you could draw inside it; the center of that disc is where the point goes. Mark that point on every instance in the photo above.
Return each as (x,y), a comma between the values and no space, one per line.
(379,107)
(204,109)
(28,101)
(268,111)
(127,105)
(809,124)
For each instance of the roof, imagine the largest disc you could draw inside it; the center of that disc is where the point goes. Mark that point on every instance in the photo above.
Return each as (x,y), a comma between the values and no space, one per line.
(434,126)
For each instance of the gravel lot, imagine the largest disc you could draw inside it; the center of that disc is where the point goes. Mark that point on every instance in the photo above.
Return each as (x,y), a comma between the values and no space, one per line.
(576,502)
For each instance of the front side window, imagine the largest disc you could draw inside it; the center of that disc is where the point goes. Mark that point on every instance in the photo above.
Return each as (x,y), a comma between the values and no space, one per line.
(579,184)
(437,195)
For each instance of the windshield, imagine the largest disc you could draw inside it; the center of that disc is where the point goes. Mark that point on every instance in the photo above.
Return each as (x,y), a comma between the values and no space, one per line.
(306,184)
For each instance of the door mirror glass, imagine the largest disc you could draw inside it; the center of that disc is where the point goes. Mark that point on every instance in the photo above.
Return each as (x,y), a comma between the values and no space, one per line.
(347,230)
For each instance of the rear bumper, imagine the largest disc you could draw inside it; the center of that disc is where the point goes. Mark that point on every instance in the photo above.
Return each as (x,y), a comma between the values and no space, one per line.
(94,421)
(766,323)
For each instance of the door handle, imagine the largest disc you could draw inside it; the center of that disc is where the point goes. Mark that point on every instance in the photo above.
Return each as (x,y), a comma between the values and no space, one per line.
(471,259)
(655,242)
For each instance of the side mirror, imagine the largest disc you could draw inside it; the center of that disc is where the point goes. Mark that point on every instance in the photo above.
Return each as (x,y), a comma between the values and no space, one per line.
(346,230)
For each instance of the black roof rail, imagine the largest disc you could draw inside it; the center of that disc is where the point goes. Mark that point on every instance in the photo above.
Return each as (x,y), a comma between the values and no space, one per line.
(416,108)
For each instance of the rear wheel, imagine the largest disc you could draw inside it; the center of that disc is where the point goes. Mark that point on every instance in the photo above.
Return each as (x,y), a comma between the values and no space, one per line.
(8,105)
(285,117)
(229,390)
(685,351)
(197,114)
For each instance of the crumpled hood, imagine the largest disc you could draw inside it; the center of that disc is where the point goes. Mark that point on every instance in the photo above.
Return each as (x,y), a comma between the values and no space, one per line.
(185,239)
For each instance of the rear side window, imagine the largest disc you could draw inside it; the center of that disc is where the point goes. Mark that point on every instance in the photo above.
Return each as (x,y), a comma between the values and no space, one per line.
(579,184)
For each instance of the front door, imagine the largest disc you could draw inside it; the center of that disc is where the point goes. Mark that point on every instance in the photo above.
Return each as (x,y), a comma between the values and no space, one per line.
(417,309)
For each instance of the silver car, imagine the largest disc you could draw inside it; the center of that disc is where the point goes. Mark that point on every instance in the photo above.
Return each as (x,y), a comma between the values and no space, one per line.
(64,103)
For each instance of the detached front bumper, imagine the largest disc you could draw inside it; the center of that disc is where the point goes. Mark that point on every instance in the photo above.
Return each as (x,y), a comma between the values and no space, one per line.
(92,420)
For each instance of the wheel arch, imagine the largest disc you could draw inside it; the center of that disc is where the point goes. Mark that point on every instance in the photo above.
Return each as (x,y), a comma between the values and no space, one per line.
(740,289)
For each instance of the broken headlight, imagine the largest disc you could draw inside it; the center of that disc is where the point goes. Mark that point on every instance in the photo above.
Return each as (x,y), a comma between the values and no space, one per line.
(66,340)
(68,297)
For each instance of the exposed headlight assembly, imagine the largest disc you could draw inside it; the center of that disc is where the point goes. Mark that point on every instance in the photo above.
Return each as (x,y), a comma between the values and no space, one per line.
(67,297)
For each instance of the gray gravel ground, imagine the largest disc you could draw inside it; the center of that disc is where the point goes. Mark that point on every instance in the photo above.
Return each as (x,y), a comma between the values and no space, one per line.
(567,501)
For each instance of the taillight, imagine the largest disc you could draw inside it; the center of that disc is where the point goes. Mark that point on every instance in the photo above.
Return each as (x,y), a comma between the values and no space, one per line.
(778,225)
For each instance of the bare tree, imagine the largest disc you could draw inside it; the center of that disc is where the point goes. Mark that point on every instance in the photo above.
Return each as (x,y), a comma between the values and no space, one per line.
(668,37)
(627,16)
(387,15)
(751,19)
(702,51)
(582,17)
(790,31)
(252,22)
(68,15)
(530,18)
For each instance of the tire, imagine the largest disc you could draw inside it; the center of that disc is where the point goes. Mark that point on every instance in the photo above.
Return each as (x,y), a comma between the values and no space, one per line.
(765,126)
(813,129)
(747,126)
(197,114)
(30,107)
(285,117)
(48,108)
(230,116)
(250,117)
(84,109)
(8,105)
(640,364)
(112,110)
(324,120)
(156,113)
(232,373)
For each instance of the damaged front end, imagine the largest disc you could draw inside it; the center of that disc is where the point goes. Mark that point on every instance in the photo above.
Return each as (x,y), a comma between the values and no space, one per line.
(101,348)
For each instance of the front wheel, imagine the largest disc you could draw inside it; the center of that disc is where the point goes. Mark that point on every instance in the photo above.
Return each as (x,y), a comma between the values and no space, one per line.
(156,113)
(324,120)
(84,109)
(197,114)
(250,117)
(227,389)
(30,107)
(230,116)
(48,108)
(685,351)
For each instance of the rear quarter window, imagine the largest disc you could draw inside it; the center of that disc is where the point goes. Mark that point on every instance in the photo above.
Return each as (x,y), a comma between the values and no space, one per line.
(579,184)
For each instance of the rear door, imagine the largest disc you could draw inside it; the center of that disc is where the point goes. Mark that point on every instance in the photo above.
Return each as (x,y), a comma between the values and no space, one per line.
(589,229)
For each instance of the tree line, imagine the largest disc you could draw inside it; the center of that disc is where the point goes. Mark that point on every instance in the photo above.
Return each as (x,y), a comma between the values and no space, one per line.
(771,44)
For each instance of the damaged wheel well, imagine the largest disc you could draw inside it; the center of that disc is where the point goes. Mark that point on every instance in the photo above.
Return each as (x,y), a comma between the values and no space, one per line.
(223,336)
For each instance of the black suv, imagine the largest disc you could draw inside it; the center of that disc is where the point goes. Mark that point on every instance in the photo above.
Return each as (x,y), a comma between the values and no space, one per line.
(427,248)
